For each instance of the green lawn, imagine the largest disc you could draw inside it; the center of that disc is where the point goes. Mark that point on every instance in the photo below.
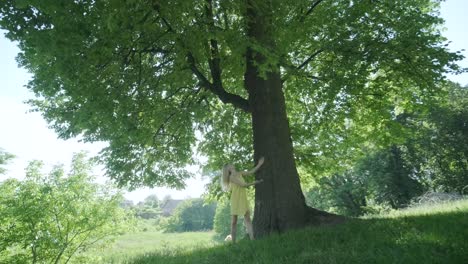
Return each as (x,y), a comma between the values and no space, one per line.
(142,243)
(430,234)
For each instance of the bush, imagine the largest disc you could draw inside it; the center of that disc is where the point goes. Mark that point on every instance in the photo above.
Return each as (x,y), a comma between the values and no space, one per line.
(49,218)
(191,215)
(147,225)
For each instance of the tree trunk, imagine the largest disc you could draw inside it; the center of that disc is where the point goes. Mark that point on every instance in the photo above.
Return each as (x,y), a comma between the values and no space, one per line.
(279,201)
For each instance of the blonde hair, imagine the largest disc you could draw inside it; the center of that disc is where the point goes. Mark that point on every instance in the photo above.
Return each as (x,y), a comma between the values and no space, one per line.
(225,181)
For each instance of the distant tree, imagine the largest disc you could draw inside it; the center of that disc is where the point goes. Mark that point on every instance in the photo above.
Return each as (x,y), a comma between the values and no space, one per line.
(146,212)
(432,155)
(192,215)
(165,199)
(391,177)
(345,193)
(383,178)
(49,218)
(169,206)
(127,204)
(443,148)
(152,201)
(5,157)
(149,208)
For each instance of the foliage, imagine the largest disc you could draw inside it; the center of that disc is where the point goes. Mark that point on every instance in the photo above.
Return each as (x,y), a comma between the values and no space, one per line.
(433,234)
(49,218)
(148,225)
(392,181)
(346,194)
(5,157)
(382,179)
(152,82)
(165,199)
(149,208)
(147,212)
(152,201)
(191,215)
(442,149)
(429,157)
(222,221)
(126,204)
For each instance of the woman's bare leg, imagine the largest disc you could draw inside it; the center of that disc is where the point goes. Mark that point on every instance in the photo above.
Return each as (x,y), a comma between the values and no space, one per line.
(248,225)
(234,228)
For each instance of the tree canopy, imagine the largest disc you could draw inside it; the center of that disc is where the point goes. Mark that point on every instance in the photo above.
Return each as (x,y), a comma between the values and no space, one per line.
(159,80)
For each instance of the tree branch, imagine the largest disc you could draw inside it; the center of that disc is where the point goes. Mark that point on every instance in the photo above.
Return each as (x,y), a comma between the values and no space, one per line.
(215,87)
(293,68)
(222,94)
(314,5)
(214,60)
(311,57)
(162,127)
(215,67)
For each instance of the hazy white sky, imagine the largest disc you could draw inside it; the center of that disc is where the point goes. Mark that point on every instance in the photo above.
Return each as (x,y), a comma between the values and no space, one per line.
(27,136)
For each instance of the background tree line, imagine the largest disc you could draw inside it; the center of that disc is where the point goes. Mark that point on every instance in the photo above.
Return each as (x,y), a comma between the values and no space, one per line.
(191,214)
(430,154)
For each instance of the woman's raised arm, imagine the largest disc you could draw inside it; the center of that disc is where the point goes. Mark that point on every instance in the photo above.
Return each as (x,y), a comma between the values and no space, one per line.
(252,171)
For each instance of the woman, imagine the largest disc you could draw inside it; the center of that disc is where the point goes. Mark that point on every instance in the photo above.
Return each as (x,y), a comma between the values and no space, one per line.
(232,180)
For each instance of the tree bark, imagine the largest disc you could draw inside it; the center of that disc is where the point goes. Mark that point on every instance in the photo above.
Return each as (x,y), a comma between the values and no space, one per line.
(279,201)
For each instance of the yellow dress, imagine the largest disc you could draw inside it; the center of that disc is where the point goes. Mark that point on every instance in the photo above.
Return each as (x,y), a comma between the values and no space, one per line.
(239,203)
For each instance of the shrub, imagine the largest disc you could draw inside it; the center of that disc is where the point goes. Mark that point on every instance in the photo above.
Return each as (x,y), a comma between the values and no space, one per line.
(49,218)
(191,215)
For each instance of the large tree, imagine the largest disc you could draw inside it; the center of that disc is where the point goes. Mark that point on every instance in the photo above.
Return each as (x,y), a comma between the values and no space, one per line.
(147,75)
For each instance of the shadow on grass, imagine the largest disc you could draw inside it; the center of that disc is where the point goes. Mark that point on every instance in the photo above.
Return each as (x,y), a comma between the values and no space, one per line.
(437,238)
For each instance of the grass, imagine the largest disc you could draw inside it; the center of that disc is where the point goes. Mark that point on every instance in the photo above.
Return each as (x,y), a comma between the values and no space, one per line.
(143,243)
(430,234)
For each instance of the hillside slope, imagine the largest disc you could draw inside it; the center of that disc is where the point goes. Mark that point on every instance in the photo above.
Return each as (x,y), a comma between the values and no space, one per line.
(434,234)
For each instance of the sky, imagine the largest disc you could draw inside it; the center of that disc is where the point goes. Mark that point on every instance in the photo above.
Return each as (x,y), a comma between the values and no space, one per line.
(26,135)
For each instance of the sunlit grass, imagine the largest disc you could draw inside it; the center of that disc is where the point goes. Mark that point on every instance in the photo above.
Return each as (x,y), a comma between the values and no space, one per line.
(428,209)
(424,234)
(428,234)
(143,243)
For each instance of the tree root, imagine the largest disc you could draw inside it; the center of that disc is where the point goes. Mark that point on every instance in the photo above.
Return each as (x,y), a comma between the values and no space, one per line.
(317,218)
